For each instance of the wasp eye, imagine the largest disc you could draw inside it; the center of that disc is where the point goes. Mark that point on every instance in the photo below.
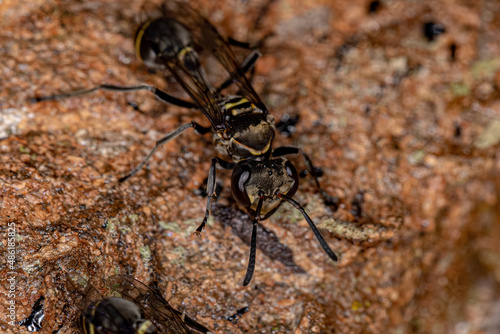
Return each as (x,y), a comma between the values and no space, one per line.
(241,175)
(292,172)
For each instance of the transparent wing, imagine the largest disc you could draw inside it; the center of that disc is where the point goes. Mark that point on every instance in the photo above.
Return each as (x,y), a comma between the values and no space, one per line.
(207,37)
(153,304)
(89,296)
(108,314)
(200,93)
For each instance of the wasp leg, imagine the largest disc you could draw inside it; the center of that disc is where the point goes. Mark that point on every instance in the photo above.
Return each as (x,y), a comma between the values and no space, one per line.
(286,150)
(191,323)
(211,187)
(240,44)
(172,135)
(247,65)
(158,93)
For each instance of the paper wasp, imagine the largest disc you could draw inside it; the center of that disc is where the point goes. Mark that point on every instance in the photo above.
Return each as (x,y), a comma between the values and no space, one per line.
(241,124)
(140,310)
(115,315)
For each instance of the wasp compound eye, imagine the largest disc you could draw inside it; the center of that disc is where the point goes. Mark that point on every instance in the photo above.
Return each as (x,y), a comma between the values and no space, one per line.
(292,172)
(241,175)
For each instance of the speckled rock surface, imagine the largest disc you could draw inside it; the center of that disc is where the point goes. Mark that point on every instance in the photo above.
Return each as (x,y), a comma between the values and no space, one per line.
(404,127)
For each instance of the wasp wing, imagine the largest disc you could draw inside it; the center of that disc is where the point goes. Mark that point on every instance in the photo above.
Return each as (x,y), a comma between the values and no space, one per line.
(89,312)
(153,304)
(95,315)
(200,93)
(172,45)
(209,39)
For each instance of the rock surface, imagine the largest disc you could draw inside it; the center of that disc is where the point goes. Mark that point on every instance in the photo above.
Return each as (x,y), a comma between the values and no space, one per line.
(402,127)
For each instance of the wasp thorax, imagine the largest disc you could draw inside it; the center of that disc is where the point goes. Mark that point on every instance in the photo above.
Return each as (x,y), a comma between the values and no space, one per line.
(251,135)
(252,179)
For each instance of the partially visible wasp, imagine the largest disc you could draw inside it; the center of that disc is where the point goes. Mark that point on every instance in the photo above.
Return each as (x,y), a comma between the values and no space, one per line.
(142,310)
(33,322)
(243,127)
(165,318)
(115,315)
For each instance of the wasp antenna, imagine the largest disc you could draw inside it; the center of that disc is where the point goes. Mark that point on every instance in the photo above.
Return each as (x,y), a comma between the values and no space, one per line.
(251,260)
(313,227)
(253,245)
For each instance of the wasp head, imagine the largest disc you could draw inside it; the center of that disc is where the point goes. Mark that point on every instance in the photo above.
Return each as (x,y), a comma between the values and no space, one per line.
(252,180)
